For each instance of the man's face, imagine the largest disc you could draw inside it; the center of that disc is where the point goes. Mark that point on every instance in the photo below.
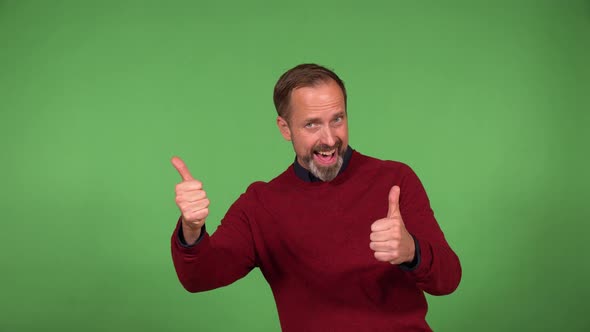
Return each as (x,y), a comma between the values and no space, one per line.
(318,128)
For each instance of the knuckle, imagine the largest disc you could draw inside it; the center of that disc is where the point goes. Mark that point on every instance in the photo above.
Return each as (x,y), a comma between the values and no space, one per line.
(392,245)
(381,257)
(394,231)
(198,214)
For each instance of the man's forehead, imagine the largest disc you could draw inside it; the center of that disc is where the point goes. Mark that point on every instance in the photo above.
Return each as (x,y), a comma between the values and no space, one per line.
(318,84)
(325,94)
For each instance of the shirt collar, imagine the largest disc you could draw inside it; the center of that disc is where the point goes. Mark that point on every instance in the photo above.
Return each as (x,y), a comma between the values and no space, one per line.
(307,176)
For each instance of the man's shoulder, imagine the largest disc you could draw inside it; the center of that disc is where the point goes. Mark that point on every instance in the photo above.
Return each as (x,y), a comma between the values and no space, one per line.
(276,182)
(368,162)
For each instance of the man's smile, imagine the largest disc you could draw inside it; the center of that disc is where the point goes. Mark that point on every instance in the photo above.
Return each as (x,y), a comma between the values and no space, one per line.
(326,158)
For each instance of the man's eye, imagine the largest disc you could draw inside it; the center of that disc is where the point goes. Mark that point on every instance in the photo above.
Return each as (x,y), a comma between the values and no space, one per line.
(338,119)
(309,125)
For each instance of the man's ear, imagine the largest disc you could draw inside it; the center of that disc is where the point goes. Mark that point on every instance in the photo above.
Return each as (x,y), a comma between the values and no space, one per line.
(284,128)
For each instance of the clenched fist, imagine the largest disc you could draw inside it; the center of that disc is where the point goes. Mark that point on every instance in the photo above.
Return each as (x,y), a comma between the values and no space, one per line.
(192,201)
(390,240)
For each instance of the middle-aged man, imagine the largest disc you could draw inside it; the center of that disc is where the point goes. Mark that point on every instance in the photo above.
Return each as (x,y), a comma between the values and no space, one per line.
(347,242)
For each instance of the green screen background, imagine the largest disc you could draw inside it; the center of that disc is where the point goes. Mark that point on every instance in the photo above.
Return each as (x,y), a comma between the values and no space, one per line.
(487,101)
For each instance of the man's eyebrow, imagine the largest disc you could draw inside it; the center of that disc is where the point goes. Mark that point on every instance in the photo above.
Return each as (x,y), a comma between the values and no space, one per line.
(316,120)
(312,120)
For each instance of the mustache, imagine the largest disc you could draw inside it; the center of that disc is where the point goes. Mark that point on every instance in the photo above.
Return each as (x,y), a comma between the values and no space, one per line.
(325,147)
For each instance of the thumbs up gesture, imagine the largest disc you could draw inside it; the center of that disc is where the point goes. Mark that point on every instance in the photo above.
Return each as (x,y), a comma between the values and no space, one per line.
(390,240)
(192,201)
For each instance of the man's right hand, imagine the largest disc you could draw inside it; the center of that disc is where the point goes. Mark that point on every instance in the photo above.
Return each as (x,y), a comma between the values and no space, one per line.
(192,201)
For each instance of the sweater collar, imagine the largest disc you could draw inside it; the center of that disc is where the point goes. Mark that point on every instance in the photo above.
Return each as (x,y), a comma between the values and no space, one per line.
(307,176)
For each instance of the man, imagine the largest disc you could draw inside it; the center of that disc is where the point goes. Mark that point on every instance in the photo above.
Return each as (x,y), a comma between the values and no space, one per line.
(346,242)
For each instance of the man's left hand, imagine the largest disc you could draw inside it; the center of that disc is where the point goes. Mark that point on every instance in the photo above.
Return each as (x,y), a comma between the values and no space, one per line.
(390,239)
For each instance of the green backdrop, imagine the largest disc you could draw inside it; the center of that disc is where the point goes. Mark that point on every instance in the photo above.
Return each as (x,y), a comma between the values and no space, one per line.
(487,101)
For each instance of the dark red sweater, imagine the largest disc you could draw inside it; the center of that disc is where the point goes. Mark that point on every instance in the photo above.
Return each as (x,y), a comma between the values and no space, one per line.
(311,242)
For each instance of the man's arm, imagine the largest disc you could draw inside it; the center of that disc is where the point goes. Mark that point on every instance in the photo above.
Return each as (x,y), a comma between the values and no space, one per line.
(438,271)
(410,237)
(203,262)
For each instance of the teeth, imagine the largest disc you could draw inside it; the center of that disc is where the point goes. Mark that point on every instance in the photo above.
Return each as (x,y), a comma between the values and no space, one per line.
(327,153)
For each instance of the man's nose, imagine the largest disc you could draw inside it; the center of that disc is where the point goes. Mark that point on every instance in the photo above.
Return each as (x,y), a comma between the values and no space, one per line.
(328,136)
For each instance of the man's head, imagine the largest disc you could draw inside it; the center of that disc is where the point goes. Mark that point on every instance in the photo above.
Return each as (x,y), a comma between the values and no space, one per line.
(311,106)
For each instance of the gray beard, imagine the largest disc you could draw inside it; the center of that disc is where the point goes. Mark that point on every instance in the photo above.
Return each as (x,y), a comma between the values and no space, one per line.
(325,173)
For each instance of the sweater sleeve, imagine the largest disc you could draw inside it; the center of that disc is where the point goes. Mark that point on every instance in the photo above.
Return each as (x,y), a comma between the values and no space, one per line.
(439,270)
(220,259)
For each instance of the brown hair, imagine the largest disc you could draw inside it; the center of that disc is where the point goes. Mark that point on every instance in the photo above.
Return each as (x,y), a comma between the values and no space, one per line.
(304,75)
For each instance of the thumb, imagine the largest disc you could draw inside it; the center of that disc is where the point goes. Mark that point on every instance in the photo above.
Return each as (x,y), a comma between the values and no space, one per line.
(393,202)
(182,169)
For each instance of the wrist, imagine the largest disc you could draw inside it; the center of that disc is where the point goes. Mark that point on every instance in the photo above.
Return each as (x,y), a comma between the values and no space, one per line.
(190,234)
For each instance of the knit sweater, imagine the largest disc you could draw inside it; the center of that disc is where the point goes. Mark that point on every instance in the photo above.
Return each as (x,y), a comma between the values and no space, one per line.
(311,242)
